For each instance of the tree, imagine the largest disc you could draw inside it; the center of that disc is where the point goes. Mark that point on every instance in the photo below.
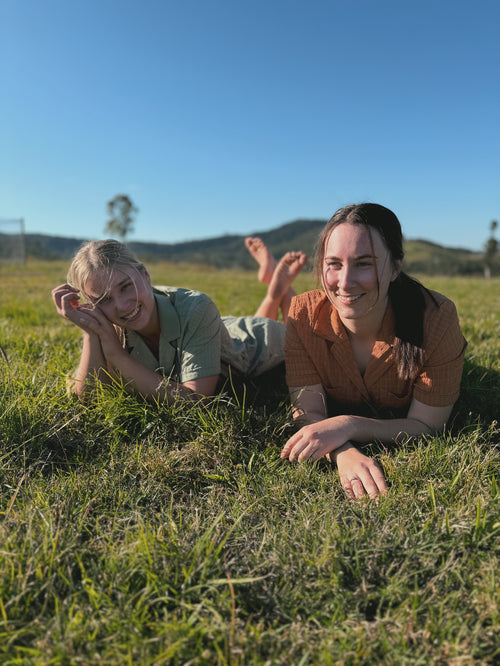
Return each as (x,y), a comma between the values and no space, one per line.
(490,250)
(121,213)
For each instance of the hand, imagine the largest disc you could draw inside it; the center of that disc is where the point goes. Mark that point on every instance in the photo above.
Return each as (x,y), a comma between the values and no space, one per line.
(67,301)
(317,439)
(359,475)
(86,316)
(65,298)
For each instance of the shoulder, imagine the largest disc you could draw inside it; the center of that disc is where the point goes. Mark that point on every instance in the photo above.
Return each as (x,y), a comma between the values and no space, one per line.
(307,305)
(312,314)
(184,311)
(438,306)
(183,300)
(441,322)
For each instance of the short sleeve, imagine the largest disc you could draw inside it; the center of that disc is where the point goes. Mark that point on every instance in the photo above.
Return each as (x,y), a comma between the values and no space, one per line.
(200,350)
(300,369)
(438,384)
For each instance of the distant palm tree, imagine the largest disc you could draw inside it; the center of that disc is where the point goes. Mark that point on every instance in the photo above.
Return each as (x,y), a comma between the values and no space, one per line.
(490,250)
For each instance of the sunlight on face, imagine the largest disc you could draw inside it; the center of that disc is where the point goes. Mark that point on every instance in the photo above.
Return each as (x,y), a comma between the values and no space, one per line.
(125,296)
(357,270)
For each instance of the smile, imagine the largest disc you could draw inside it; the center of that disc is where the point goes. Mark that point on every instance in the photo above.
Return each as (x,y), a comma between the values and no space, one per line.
(349,300)
(133,314)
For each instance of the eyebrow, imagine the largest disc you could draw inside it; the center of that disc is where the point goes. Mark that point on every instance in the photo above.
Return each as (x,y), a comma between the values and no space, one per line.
(361,256)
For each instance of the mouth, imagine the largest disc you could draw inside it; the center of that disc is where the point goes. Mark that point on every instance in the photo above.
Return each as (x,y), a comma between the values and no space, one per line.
(132,315)
(349,300)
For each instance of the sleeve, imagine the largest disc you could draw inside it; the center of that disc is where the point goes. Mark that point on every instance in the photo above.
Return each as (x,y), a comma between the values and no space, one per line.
(438,384)
(300,368)
(200,348)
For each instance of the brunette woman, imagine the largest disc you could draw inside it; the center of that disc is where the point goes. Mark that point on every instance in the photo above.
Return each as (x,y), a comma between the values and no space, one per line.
(374,355)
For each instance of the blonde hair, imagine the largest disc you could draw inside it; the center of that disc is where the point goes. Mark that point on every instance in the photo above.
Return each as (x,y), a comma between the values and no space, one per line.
(100,256)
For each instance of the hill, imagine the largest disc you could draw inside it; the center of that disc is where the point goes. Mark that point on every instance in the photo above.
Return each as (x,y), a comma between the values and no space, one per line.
(229,251)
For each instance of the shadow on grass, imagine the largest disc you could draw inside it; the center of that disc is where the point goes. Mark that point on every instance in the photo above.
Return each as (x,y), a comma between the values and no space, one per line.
(246,412)
(269,390)
(196,444)
(479,401)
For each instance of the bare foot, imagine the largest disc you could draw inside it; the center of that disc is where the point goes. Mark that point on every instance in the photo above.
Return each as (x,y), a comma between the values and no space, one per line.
(285,273)
(260,252)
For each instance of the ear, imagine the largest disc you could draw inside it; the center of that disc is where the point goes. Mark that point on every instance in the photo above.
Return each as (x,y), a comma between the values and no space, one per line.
(396,269)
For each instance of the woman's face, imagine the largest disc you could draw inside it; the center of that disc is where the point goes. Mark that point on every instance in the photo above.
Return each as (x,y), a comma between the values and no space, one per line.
(356,273)
(125,296)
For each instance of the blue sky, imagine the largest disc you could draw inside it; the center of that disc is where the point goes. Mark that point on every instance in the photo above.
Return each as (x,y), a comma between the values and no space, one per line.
(230,116)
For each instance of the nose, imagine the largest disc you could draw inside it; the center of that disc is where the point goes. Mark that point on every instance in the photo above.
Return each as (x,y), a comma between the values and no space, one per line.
(345,277)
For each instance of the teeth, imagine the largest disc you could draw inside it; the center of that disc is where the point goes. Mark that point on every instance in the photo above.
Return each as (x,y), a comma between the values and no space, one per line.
(348,299)
(132,314)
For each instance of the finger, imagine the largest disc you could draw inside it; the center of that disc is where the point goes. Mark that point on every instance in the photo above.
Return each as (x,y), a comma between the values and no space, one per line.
(318,452)
(379,480)
(311,451)
(372,482)
(346,485)
(357,487)
(70,300)
(58,293)
(296,446)
(61,288)
(297,452)
(291,443)
(84,319)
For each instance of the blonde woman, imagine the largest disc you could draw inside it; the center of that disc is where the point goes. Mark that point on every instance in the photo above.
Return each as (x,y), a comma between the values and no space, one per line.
(167,342)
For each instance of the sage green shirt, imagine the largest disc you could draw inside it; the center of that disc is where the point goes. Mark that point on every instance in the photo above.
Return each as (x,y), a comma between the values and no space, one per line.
(196,342)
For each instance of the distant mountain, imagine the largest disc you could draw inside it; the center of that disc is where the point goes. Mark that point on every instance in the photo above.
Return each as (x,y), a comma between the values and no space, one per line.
(229,251)
(423,256)
(223,251)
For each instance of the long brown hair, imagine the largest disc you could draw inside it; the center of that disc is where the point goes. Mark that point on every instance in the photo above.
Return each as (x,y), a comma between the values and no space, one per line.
(405,293)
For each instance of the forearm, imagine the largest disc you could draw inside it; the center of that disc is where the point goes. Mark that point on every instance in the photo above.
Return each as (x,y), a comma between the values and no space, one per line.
(324,436)
(92,366)
(362,429)
(140,379)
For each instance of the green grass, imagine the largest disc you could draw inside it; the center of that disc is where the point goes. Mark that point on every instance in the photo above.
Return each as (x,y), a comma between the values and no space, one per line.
(137,534)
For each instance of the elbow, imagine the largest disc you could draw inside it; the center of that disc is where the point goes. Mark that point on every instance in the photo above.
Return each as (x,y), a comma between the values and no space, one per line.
(78,388)
(80,391)
(429,428)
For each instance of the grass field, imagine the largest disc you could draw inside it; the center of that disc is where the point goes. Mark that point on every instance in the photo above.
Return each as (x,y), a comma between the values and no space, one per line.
(138,534)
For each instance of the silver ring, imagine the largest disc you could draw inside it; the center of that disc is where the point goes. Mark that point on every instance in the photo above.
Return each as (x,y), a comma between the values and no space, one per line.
(353,478)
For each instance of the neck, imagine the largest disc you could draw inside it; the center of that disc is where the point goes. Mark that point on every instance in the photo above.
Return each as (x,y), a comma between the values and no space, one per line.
(152,341)
(366,328)
(151,332)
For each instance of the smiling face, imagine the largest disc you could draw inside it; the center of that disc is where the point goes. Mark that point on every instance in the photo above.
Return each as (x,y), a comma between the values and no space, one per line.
(356,273)
(126,298)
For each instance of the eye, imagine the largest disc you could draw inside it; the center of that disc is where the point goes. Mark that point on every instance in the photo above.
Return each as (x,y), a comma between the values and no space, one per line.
(126,286)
